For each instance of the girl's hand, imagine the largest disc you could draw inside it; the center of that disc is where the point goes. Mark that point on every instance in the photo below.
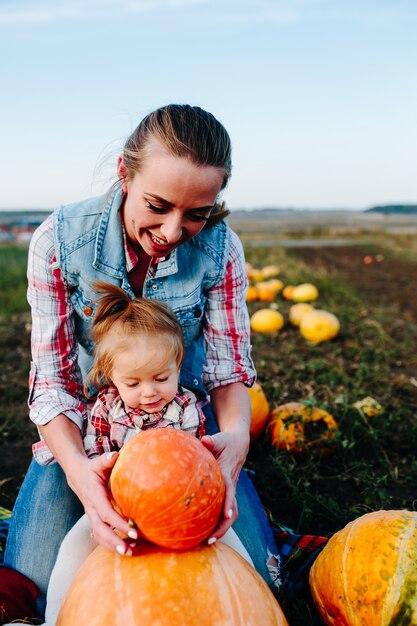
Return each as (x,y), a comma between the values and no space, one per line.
(230,450)
(90,483)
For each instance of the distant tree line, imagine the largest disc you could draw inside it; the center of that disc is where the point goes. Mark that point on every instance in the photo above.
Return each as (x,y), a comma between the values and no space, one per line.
(394,208)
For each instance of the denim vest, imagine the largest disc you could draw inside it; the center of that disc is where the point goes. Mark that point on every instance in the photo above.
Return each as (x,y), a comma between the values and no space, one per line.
(89,246)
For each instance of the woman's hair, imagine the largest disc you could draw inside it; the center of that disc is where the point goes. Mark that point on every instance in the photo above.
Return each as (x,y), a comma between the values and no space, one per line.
(119,318)
(184,131)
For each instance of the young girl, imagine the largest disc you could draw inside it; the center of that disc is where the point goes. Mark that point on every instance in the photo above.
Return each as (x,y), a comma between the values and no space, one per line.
(139,351)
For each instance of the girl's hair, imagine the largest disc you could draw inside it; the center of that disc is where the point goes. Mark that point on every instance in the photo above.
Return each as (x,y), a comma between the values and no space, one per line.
(184,131)
(116,313)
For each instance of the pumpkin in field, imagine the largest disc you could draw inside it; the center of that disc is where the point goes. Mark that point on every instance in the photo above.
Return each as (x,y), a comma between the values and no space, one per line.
(276,284)
(251,294)
(266,291)
(297,312)
(170,486)
(319,325)
(366,575)
(287,292)
(266,321)
(260,410)
(306,292)
(205,586)
(298,428)
(270,271)
(256,275)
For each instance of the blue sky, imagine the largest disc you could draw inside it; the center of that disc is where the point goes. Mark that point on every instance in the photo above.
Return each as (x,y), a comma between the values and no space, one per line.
(319,96)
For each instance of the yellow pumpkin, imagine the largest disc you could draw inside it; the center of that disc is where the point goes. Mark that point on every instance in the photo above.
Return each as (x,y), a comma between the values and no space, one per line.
(266,291)
(251,294)
(256,275)
(298,428)
(270,271)
(201,587)
(276,284)
(297,312)
(266,321)
(319,325)
(306,292)
(287,292)
(260,410)
(366,574)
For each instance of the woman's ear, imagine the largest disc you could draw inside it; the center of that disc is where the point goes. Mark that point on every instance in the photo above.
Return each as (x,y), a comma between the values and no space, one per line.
(122,173)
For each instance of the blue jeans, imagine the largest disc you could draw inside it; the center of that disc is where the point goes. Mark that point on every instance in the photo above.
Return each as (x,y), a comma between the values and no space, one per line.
(46,509)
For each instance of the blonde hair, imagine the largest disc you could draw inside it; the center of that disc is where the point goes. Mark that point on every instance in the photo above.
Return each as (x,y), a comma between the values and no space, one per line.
(117,313)
(184,131)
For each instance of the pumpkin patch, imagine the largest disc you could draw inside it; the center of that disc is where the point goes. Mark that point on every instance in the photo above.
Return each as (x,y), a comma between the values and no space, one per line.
(170,486)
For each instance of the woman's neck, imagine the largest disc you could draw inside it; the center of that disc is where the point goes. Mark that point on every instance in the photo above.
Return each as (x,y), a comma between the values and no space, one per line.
(137,274)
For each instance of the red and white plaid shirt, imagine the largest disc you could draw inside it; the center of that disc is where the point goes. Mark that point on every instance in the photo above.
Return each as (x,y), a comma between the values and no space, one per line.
(56,384)
(112,424)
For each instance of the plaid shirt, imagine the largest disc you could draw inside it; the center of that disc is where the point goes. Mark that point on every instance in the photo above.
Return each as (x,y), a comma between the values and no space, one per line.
(55,380)
(112,424)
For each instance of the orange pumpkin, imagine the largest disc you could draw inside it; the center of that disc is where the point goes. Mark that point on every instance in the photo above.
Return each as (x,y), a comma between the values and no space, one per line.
(201,587)
(170,485)
(297,428)
(260,410)
(366,574)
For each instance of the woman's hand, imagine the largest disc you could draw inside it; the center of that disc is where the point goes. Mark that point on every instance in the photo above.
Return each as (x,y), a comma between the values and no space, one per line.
(90,483)
(88,479)
(232,409)
(230,450)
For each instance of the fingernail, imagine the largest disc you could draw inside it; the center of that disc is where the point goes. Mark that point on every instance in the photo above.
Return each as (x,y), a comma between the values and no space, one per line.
(110,455)
(229,513)
(128,552)
(211,541)
(120,549)
(133,534)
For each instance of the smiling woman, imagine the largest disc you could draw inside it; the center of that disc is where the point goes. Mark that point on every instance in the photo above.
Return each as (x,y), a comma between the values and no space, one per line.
(158,234)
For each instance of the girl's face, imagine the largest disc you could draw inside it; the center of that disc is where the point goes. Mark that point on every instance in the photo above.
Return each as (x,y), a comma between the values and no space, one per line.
(145,376)
(169,201)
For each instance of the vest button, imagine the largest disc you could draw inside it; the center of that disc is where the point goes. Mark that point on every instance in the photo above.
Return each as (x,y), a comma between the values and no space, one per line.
(154,286)
(88,310)
(196,381)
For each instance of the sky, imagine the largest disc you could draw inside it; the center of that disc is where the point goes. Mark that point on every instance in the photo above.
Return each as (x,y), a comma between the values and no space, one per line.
(319,96)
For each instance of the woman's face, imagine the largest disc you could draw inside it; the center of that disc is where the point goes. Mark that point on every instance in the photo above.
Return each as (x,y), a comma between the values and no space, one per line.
(168,202)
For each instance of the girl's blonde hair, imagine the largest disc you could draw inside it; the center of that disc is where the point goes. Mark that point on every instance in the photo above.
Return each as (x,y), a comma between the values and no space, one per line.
(184,131)
(118,315)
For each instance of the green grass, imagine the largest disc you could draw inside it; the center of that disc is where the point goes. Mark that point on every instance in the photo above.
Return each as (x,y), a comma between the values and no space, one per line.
(13,283)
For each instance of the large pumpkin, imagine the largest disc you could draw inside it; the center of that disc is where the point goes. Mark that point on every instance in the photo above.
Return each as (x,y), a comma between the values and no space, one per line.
(367,575)
(206,586)
(259,408)
(298,428)
(170,485)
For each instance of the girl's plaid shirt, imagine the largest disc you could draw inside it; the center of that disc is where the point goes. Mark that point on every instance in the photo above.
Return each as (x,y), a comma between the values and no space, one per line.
(112,424)
(56,384)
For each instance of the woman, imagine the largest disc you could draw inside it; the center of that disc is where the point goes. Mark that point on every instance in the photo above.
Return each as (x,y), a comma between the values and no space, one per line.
(158,233)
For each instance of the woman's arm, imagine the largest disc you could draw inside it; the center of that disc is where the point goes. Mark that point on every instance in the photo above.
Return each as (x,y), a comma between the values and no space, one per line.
(228,370)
